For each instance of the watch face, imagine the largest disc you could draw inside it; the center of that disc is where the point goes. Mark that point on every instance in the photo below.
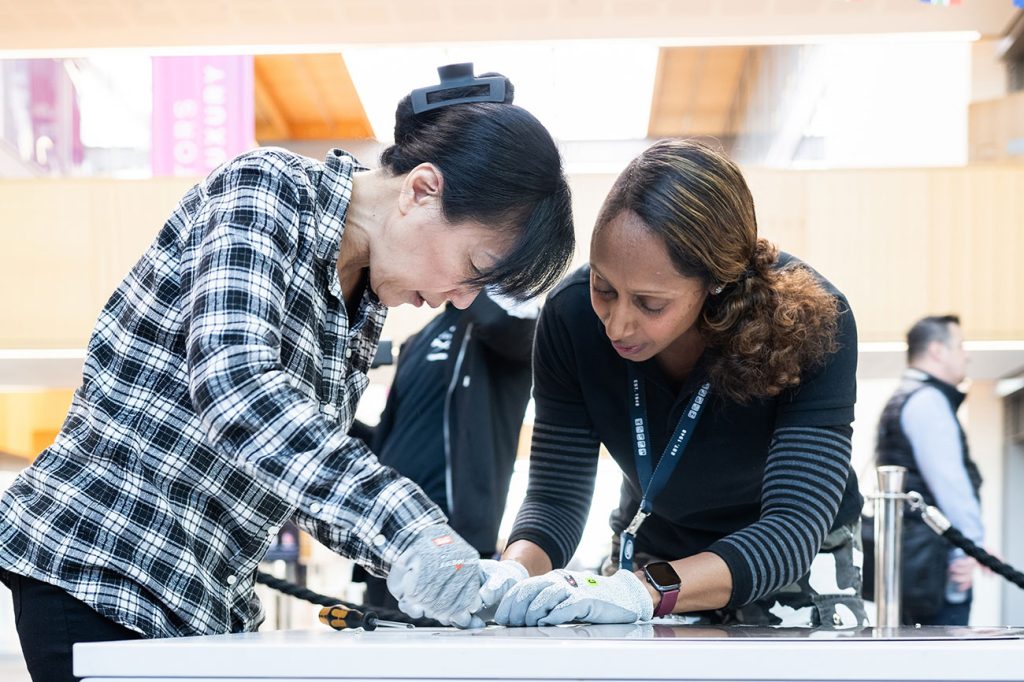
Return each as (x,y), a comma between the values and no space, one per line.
(662,575)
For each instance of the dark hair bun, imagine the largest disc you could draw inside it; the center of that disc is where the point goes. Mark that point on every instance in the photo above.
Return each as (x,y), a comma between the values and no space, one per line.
(407,123)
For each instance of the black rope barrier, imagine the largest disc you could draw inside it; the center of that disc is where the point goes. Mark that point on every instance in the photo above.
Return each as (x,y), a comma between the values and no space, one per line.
(983,557)
(306,594)
(941,526)
(299,592)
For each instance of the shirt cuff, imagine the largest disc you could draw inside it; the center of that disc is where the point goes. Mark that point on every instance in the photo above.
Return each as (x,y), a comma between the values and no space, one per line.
(742,579)
(401,525)
(544,541)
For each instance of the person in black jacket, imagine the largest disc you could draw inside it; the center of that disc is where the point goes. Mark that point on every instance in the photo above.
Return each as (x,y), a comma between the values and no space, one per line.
(453,416)
(919,429)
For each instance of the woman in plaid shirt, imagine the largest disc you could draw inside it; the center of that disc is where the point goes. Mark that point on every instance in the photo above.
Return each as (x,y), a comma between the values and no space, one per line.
(223,374)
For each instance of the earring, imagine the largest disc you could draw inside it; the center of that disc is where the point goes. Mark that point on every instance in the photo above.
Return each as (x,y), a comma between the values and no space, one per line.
(717,290)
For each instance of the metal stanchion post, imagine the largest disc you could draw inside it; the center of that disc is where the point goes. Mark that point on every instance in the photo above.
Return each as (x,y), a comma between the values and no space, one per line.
(888,544)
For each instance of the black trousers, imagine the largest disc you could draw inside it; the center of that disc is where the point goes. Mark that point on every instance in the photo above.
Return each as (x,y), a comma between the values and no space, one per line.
(49,621)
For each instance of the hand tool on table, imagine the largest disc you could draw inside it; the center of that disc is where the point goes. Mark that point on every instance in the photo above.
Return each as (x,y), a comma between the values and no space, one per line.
(341,617)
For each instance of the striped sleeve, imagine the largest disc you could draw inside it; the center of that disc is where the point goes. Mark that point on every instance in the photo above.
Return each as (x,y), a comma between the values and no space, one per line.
(804,480)
(563,467)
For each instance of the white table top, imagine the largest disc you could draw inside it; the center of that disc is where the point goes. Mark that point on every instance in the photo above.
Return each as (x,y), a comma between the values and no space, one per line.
(592,652)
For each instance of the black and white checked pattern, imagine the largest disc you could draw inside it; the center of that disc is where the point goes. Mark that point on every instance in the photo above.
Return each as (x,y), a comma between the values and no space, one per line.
(218,388)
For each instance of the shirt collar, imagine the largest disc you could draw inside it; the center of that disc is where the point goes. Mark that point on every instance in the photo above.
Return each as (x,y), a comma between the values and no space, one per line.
(915,374)
(333,194)
(952,393)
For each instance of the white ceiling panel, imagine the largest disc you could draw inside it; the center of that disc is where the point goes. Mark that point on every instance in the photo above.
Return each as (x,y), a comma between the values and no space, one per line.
(51,27)
(580,90)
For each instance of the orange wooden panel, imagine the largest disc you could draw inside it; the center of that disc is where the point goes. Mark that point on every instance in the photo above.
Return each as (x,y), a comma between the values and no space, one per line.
(42,439)
(307,96)
(697,89)
(271,123)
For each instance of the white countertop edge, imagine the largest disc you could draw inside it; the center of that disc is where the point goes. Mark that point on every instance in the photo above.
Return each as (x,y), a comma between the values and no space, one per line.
(417,654)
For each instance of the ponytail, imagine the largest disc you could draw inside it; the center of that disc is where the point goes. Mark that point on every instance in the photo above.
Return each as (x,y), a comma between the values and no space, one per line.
(768,327)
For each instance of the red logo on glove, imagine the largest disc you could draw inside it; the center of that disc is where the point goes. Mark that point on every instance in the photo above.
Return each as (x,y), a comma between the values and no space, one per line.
(457,564)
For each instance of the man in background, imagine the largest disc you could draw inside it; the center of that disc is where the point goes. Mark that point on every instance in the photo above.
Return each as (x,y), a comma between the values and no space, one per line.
(919,430)
(453,417)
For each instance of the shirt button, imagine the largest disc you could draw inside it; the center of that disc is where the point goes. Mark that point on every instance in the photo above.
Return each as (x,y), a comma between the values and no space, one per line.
(316,507)
(379,540)
(231,580)
(348,352)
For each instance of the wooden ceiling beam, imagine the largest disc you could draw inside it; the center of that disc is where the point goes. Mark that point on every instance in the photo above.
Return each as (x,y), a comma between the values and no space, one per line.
(309,96)
(748,74)
(696,91)
(271,123)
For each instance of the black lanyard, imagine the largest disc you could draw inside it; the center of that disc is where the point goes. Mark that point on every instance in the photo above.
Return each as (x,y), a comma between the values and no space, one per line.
(652,483)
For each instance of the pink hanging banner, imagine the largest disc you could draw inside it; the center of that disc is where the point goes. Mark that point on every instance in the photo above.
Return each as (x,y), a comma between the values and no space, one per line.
(53,115)
(202,112)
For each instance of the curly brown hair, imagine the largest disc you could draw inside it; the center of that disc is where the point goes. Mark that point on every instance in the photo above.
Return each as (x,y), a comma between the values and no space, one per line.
(769,324)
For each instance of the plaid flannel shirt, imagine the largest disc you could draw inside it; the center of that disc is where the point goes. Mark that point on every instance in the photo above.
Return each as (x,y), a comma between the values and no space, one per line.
(218,388)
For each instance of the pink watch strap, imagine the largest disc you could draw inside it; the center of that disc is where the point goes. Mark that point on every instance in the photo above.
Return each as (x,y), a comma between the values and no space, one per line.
(667,603)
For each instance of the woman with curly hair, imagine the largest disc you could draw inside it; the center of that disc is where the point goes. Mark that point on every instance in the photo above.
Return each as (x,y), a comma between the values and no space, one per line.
(719,374)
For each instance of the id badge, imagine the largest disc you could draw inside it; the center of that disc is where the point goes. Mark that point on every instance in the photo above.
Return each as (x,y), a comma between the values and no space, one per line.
(627,540)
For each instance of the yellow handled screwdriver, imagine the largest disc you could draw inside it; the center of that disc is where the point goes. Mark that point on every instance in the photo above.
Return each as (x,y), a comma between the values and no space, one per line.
(341,617)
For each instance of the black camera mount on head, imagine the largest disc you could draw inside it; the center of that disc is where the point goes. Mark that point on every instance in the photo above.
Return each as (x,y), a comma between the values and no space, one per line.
(454,78)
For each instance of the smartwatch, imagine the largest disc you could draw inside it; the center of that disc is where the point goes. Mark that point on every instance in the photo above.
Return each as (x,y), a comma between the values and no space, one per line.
(665,580)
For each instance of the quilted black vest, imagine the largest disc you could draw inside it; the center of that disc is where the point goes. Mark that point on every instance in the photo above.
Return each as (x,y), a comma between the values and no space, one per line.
(894,447)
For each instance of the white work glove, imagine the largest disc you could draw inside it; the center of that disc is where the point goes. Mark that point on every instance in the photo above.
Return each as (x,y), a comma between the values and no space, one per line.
(563,596)
(438,576)
(499,577)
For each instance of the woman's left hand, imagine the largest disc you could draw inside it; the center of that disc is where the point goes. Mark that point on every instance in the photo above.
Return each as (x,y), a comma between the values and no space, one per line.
(563,596)
(499,577)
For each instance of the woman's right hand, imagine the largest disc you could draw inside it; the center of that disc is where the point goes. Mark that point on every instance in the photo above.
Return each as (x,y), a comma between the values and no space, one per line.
(437,577)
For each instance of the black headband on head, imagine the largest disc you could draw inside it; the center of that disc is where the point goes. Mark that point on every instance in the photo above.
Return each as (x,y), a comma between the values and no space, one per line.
(458,78)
